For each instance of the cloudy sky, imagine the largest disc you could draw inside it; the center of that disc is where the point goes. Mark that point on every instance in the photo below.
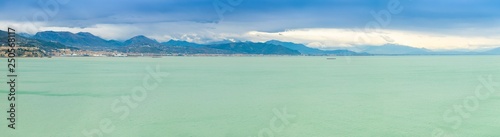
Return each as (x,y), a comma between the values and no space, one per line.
(440,25)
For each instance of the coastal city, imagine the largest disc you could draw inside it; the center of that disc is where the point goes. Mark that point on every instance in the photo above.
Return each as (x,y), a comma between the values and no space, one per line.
(36,52)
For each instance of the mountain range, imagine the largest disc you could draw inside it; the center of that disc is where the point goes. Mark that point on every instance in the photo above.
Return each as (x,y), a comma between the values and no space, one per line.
(143,44)
(23,41)
(312,51)
(83,40)
(33,47)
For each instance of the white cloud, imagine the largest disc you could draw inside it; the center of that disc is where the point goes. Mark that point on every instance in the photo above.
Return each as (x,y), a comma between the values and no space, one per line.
(24,26)
(328,37)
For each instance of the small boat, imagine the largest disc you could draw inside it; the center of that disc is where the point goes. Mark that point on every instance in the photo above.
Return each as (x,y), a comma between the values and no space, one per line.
(331,58)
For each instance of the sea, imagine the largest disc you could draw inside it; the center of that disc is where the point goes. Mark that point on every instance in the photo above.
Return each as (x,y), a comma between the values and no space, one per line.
(281,96)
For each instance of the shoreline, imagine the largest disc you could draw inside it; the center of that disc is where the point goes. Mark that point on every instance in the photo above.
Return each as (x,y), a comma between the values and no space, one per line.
(249,56)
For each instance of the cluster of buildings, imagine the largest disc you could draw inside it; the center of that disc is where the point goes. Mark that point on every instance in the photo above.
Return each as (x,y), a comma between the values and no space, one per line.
(23,52)
(86,53)
(36,52)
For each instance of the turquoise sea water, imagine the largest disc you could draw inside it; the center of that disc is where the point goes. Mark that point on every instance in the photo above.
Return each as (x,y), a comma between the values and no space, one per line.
(244,97)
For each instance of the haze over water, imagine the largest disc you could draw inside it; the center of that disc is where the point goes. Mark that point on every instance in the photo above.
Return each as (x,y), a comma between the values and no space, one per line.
(239,96)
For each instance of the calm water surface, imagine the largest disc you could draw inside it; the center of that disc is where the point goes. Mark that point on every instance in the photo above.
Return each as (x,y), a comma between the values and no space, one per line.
(248,96)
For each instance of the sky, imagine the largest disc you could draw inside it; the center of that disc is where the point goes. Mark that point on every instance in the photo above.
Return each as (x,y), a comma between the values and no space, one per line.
(325,24)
